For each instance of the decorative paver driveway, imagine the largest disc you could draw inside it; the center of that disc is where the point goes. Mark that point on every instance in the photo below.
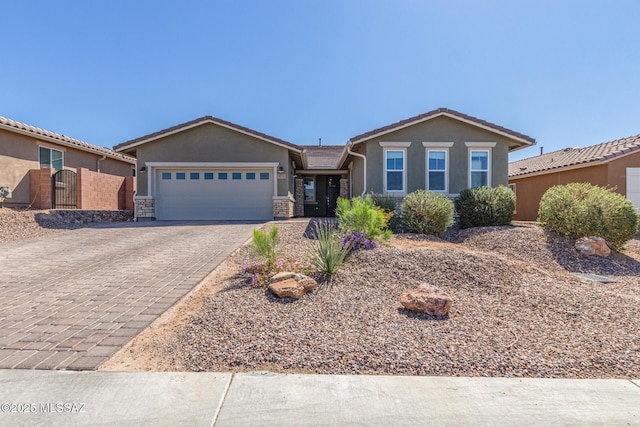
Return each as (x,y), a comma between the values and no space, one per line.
(72,299)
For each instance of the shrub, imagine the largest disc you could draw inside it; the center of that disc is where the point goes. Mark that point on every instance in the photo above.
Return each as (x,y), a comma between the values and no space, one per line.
(355,241)
(328,255)
(388,205)
(583,210)
(262,273)
(362,215)
(484,206)
(264,244)
(426,212)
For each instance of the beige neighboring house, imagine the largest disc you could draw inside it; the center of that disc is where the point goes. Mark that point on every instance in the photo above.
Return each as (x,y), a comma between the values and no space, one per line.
(30,156)
(614,164)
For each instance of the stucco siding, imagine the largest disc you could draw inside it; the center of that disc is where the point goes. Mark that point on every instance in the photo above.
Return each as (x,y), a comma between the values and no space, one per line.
(440,129)
(19,153)
(213,143)
(529,190)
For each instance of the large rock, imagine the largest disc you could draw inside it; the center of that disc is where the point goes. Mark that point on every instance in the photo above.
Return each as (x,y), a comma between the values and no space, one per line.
(426,299)
(593,246)
(291,285)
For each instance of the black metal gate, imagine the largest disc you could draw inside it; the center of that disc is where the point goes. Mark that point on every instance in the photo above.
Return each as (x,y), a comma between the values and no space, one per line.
(64,190)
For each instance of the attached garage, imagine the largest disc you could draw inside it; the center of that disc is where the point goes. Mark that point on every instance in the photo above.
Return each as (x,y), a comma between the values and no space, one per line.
(214,193)
(211,169)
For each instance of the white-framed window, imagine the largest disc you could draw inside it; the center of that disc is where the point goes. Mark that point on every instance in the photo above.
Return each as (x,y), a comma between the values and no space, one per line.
(309,184)
(437,165)
(394,157)
(480,163)
(51,158)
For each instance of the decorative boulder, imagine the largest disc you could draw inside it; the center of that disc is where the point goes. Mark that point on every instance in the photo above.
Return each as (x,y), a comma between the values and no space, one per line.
(426,299)
(593,246)
(291,285)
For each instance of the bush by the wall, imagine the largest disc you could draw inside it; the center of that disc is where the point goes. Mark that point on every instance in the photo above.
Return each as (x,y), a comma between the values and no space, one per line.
(388,205)
(426,212)
(583,210)
(484,206)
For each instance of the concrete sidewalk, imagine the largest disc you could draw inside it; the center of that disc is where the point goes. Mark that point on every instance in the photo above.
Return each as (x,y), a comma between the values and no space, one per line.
(64,398)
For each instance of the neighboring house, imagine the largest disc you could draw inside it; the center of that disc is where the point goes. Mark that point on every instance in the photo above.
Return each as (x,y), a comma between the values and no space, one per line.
(614,164)
(29,156)
(213,169)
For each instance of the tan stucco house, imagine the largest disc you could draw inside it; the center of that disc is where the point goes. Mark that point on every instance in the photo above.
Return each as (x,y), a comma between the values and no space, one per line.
(210,168)
(29,156)
(614,164)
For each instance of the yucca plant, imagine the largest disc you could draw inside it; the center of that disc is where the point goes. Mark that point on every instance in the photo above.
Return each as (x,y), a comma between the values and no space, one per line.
(328,255)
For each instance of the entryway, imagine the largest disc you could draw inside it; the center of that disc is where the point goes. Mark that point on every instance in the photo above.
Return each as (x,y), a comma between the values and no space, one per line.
(321,194)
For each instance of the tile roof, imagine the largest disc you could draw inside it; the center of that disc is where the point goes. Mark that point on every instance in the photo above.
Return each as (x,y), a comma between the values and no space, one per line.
(323,157)
(526,140)
(23,128)
(575,156)
(199,121)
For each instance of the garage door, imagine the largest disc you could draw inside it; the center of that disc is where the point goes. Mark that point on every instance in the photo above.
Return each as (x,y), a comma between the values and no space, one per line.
(633,186)
(205,194)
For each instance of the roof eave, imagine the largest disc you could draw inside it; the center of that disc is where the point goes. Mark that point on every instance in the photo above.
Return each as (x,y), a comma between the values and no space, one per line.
(120,156)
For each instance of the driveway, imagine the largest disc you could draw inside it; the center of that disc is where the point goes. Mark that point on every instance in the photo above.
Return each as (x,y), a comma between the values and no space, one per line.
(72,299)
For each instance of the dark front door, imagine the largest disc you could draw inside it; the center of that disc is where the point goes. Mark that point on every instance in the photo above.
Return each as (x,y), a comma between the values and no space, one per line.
(333,192)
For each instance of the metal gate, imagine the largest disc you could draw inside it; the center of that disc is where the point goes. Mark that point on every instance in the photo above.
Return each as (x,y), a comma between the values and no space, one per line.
(64,190)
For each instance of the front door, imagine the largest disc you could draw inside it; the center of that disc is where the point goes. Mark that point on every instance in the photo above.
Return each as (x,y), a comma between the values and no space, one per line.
(333,192)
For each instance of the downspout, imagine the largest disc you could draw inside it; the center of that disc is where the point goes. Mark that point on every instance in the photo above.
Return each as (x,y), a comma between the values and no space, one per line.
(364,158)
(98,163)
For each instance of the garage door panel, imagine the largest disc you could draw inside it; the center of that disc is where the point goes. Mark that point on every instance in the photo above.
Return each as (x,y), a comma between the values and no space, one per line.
(633,186)
(198,198)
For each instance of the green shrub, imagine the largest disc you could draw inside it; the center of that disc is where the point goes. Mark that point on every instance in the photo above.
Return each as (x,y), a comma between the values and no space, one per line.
(328,255)
(362,215)
(583,210)
(426,212)
(264,244)
(484,206)
(388,205)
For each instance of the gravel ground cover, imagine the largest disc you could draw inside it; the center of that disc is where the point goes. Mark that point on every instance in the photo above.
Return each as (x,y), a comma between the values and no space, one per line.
(19,224)
(516,312)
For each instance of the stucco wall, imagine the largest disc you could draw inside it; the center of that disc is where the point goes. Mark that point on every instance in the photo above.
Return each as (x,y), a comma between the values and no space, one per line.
(212,143)
(440,129)
(529,190)
(19,154)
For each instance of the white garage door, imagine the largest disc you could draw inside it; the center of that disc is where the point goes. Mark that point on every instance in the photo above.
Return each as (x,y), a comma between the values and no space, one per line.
(204,194)
(633,186)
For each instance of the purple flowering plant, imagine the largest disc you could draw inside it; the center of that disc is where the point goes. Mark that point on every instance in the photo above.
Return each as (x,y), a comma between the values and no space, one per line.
(356,241)
(262,272)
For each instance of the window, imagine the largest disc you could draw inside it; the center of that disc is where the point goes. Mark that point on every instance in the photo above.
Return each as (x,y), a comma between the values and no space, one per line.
(251,175)
(208,175)
(194,175)
(309,189)
(479,170)
(181,175)
(437,170)
(222,175)
(394,171)
(264,175)
(480,163)
(236,175)
(50,158)
(166,175)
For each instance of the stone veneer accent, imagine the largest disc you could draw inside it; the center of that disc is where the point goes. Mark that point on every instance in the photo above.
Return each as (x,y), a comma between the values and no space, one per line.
(283,207)
(299,203)
(344,188)
(145,208)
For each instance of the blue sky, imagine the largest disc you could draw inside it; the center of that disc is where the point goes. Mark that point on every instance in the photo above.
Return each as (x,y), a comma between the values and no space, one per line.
(564,72)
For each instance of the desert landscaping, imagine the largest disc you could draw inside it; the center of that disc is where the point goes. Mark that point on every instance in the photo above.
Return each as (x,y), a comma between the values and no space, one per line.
(517,311)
